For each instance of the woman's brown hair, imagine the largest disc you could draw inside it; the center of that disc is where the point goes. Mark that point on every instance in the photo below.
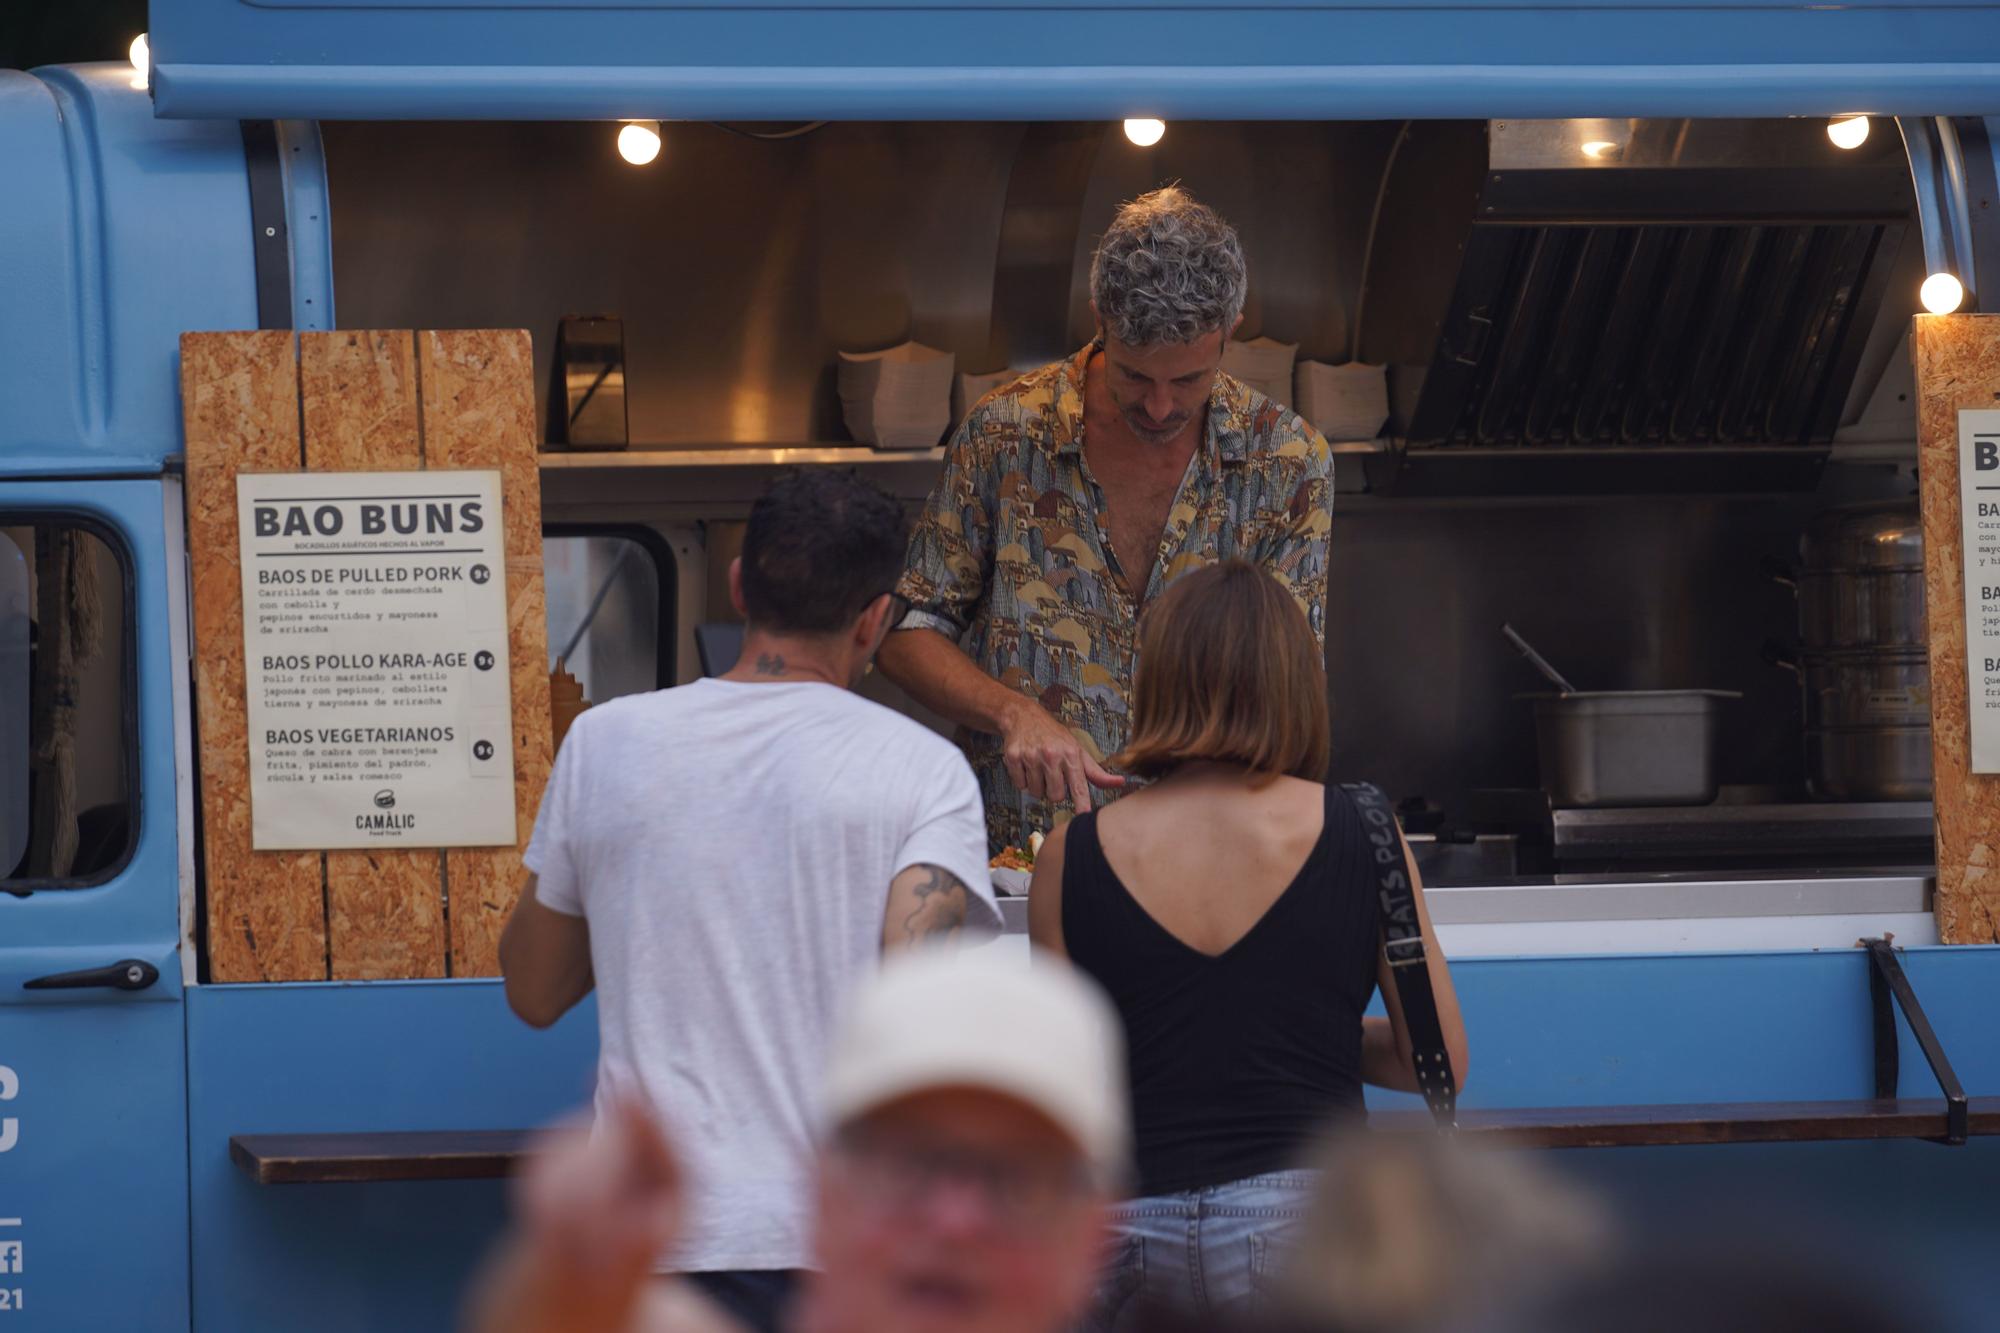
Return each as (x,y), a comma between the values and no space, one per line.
(1228,671)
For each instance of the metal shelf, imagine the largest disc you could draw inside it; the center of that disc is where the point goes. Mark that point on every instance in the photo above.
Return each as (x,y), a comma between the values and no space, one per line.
(1442,470)
(813,453)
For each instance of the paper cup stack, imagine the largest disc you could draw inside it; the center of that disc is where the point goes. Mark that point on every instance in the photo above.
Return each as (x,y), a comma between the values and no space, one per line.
(899,398)
(1264,364)
(1344,402)
(969,389)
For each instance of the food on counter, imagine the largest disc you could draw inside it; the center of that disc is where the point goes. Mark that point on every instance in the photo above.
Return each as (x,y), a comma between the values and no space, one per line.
(1013,858)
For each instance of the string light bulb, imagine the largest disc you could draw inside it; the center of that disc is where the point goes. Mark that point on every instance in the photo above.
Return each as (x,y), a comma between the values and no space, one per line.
(639,141)
(1145,132)
(140,53)
(1848,132)
(1941,293)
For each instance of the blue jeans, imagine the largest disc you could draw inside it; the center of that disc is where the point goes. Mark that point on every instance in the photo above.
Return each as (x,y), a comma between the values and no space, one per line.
(1206,1252)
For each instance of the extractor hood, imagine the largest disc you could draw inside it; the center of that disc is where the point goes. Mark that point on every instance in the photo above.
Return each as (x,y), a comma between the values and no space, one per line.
(1655,305)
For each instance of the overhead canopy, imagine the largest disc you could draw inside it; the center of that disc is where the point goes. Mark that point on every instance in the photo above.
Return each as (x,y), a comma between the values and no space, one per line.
(1047,59)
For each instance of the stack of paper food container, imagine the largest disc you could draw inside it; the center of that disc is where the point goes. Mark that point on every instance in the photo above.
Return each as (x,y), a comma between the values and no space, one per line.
(1344,402)
(1265,364)
(969,389)
(898,398)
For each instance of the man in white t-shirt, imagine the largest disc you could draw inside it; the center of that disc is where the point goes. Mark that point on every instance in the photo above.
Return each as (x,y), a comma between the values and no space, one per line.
(723,861)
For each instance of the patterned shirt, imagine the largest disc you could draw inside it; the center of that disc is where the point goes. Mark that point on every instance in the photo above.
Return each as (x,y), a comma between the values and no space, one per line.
(1011,558)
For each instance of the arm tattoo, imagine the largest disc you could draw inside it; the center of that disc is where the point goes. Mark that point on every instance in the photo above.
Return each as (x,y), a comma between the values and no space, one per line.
(770,664)
(940,909)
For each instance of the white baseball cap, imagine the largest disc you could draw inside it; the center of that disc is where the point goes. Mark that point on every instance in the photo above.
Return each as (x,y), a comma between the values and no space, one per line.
(1042,1034)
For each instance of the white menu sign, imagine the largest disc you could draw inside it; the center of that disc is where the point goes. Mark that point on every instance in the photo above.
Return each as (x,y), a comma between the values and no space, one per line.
(1979,505)
(375,659)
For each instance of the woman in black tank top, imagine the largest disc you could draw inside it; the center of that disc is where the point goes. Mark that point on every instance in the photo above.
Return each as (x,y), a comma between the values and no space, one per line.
(1229,910)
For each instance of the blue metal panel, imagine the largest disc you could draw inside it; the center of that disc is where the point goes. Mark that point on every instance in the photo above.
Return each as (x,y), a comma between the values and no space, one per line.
(118,233)
(95,1182)
(429,1055)
(1638,1029)
(137,912)
(1642,1029)
(761,59)
(356,1057)
(93,1122)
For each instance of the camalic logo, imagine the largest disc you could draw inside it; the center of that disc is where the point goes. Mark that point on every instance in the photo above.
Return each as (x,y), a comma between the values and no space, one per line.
(385,823)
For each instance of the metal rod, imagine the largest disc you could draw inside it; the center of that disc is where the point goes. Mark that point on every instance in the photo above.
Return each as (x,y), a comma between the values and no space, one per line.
(1541,663)
(1956,209)
(1956,1111)
(1919,138)
(624,549)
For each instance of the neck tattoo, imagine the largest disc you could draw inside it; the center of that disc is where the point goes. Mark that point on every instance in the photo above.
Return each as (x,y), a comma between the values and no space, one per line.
(770,664)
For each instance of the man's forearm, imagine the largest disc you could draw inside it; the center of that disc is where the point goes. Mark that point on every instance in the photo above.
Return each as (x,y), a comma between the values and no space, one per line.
(932,670)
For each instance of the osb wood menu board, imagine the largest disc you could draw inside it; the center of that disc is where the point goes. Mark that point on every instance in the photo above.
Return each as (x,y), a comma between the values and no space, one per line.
(1958,367)
(354,401)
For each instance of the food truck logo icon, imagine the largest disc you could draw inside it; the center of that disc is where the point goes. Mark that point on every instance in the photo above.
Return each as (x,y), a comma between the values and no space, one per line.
(385,799)
(10,1128)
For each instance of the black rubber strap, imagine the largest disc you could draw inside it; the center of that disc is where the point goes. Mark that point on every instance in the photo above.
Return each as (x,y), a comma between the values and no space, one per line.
(1403,942)
(270,247)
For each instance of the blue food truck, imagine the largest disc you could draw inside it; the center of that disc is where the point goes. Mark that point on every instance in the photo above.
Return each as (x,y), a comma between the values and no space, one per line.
(1481,195)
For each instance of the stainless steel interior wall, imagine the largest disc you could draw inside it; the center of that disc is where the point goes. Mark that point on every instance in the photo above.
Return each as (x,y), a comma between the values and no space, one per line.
(741,268)
(1657,592)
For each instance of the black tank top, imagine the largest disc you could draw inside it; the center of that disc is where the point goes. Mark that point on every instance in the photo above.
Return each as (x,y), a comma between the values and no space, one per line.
(1237,1060)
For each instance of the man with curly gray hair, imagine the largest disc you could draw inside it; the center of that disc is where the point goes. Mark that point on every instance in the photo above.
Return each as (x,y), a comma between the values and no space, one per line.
(1169,272)
(1074,496)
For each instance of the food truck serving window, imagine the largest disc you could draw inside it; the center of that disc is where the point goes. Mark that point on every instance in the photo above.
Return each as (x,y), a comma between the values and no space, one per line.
(67,809)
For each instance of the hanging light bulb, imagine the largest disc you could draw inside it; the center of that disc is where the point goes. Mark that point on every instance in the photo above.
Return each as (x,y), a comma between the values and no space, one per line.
(140,53)
(639,141)
(1941,293)
(1847,131)
(1145,132)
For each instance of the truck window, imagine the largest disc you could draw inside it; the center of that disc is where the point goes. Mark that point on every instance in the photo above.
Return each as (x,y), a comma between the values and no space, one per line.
(610,608)
(66,699)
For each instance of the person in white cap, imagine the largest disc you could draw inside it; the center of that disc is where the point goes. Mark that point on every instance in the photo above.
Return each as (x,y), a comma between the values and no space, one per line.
(975,1130)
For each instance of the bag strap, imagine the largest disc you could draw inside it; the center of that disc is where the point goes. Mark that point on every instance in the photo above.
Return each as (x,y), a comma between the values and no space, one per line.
(1403,943)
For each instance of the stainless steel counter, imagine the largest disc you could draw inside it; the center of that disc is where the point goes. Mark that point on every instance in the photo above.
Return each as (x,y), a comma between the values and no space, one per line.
(1586,914)
(1657,897)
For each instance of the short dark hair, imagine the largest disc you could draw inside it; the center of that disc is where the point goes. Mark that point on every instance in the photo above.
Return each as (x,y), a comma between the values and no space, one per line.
(821,545)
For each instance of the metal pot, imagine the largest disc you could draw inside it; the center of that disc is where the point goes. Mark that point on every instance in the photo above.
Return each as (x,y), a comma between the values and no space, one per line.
(1869,763)
(1863,664)
(1867,689)
(1628,747)
(1861,578)
(1868,724)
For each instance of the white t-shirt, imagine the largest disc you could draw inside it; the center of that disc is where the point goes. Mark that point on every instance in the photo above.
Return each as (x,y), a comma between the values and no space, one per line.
(731,846)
